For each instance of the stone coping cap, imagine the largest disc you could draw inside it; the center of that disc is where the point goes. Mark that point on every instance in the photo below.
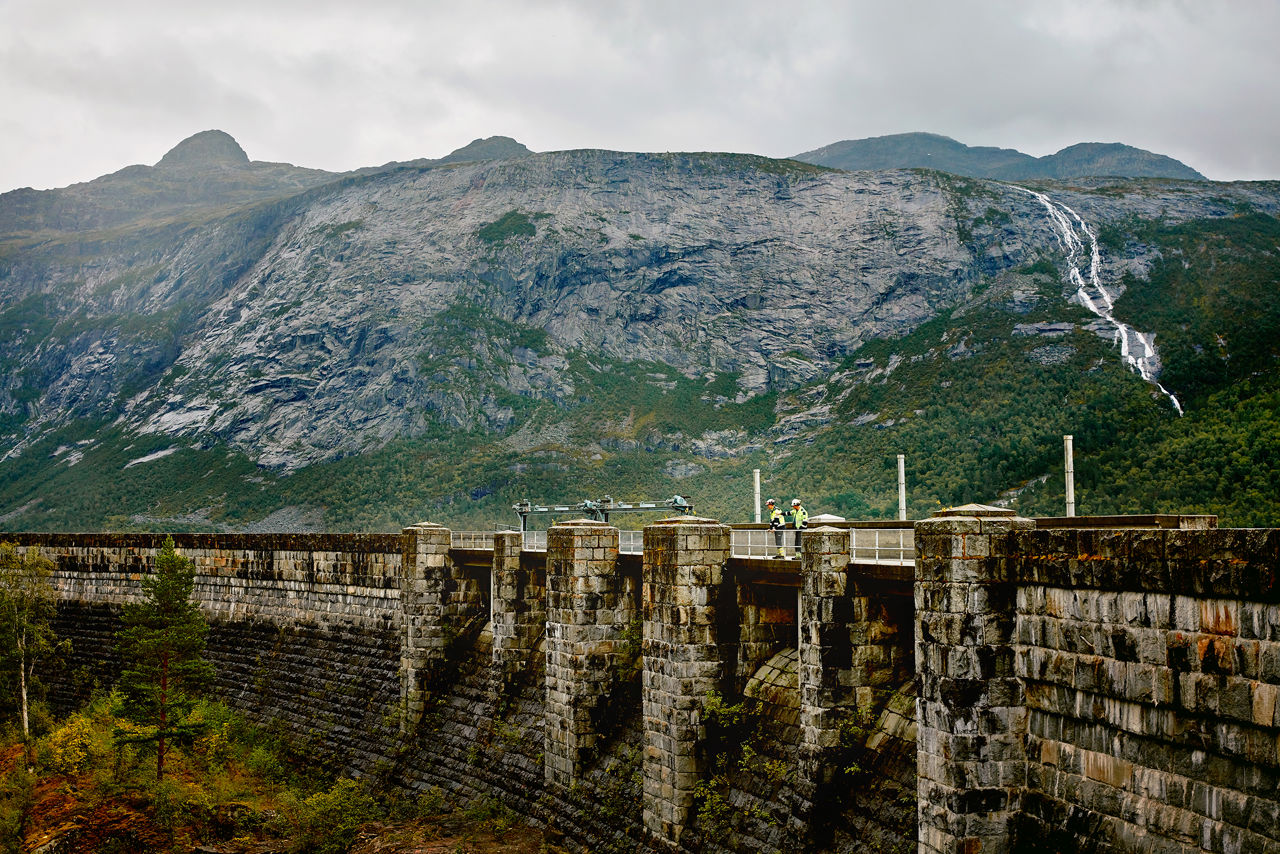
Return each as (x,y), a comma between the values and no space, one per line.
(975,510)
(686,520)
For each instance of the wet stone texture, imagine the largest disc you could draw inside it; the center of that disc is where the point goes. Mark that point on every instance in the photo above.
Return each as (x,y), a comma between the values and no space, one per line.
(590,606)
(1151,662)
(1097,690)
(970,757)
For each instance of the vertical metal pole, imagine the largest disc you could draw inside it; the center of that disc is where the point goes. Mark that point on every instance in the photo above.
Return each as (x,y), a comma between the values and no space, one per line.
(1071,475)
(902,487)
(757,478)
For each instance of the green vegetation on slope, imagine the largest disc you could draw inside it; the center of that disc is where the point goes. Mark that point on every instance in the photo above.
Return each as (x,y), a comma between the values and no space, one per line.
(976,409)
(1211,299)
(510,224)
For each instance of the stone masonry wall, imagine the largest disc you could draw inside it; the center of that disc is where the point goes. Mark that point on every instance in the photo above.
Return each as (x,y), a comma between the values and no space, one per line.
(1097,690)
(438,600)
(683,569)
(519,604)
(324,578)
(825,674)
(304,629)
(1151,662)
(971,714)
(331,639)
(589,608)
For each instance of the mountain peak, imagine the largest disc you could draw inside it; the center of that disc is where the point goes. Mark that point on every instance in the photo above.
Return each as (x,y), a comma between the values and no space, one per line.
(207,148)
(493,148)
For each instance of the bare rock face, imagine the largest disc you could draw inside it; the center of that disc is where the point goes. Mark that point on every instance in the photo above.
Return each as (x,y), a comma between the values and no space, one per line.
(207,148)
(304,318)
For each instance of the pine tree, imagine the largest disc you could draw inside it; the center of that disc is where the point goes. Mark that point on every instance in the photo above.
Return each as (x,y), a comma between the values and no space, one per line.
(162,646)
(27,604)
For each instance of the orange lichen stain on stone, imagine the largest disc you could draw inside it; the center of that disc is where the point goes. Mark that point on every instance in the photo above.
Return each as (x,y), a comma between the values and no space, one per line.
(1219,618)
(1108,769)
(1215,654)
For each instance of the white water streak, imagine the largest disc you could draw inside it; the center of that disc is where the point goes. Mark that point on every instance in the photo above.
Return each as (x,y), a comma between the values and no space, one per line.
(1137,349)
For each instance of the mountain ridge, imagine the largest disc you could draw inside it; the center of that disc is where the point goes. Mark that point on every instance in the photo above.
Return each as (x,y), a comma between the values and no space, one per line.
(934,151)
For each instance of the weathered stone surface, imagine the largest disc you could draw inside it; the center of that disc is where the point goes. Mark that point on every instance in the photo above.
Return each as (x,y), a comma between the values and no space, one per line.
(684,561)
(590,607)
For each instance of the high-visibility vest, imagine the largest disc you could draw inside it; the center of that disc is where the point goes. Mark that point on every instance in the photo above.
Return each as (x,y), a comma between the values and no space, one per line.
(799,516)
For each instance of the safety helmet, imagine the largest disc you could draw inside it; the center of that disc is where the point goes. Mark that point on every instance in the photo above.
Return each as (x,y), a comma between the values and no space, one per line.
(770,501)
(795,502)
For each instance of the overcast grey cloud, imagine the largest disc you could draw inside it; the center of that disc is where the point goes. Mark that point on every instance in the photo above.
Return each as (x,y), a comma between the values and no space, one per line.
(91,87)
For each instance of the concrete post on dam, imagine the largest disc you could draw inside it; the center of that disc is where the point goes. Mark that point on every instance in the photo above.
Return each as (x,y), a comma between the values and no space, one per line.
(684,561)
(972,716)
(589,608)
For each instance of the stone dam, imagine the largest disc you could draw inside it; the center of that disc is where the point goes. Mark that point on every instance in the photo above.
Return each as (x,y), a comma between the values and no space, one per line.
(1056,685)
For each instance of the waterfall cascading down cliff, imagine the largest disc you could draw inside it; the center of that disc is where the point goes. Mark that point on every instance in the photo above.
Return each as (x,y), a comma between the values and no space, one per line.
(1137,349)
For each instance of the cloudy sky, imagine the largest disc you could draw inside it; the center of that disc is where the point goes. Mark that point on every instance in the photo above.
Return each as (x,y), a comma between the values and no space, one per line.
(88,87)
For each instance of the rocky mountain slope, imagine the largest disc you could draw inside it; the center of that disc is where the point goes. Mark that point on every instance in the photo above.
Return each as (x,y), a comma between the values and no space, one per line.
(932,151)
(498,323)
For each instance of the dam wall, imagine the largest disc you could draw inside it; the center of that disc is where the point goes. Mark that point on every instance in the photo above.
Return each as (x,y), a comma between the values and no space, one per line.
(1097,690)
(1100,689)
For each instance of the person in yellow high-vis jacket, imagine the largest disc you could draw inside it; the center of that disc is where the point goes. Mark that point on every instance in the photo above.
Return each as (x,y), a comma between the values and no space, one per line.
(799,520)
(777,521)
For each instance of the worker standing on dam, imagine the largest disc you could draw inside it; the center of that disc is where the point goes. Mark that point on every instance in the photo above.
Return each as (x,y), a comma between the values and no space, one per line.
(799,520)
(777,521)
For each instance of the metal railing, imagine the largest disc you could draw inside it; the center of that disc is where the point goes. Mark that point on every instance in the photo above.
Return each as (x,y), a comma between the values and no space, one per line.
(761,542)
(896,546)
(893,546)
(871,542)
(475,540)
(631,542)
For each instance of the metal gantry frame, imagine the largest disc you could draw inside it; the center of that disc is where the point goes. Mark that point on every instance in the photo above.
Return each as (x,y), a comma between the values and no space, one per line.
(600,509)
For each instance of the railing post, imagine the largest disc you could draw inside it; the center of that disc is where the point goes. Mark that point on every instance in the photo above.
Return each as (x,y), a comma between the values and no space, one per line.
(902,487)
(1068,455)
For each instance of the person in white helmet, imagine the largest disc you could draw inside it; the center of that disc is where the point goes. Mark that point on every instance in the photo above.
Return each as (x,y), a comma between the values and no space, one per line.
(799,520)
(777,521)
